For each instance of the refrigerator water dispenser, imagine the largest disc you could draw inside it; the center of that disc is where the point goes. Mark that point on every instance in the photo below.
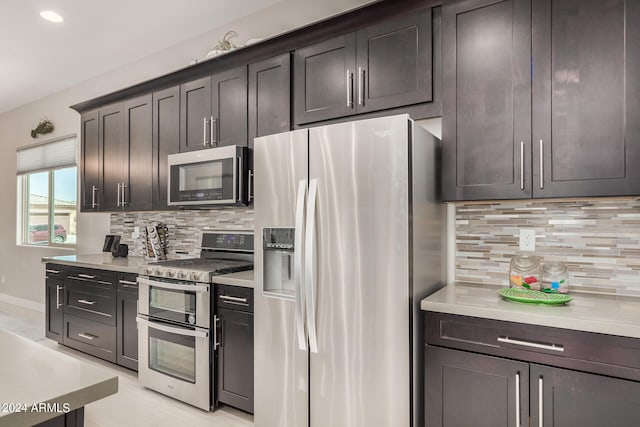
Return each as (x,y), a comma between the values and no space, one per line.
(278,249)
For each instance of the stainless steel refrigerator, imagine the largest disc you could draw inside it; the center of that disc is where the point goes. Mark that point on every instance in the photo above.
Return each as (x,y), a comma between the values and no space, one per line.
(348,241)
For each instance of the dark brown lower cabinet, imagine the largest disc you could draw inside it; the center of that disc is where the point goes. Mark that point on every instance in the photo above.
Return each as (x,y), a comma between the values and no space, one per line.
(54,300)
(468,389)
(71,419)
(483,372)
(234,355)
(127,327)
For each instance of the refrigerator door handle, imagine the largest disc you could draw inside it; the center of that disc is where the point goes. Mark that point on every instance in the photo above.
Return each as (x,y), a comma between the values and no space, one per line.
(297,264)
(309,265)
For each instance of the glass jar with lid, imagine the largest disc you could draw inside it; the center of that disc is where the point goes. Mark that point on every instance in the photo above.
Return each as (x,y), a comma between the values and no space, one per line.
(524,272)
(555,277)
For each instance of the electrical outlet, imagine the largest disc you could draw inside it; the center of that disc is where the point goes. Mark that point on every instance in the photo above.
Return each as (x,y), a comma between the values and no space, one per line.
(527,239)
(136,233)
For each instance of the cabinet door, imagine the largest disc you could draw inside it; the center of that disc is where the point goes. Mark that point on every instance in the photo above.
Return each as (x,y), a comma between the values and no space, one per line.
(229,108)
(586,99)
(269,96)
(486,99)
(324,80)
(90,162)
(127,328)
(564,398)
(54,301)
(469,389)
(235,359)
(195,113)
(137,193)
(112,142)
(395,63)
(166,140)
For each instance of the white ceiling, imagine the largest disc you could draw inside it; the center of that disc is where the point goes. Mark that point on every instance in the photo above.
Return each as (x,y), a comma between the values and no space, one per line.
(39,58)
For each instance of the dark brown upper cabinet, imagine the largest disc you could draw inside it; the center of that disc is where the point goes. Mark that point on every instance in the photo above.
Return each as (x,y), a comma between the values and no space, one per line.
(486,99)
(586,99)
(136,191)
(379,67)
(90,165)
(112,143)
(540,99)
(269,96)
(213,111)
(166,140)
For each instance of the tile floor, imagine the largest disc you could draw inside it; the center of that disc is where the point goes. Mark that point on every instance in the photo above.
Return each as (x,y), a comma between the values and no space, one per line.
(133,405)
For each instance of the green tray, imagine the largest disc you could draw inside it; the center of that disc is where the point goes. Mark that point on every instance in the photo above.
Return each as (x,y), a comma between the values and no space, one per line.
(528,296)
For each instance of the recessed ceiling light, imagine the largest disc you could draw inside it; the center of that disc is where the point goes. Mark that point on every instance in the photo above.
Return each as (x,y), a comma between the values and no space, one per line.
(50,15)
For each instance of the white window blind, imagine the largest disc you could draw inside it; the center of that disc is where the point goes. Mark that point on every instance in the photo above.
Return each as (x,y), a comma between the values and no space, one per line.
(49,155)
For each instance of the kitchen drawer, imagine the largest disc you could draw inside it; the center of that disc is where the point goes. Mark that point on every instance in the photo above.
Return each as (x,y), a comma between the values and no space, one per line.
(53,271)
(91,302)
(102,278)
(95,338)
(234,298)
(598,353)
(127,282)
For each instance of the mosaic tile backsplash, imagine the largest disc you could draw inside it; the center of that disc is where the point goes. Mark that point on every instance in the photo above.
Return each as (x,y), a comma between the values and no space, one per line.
(185,227)
(599,240)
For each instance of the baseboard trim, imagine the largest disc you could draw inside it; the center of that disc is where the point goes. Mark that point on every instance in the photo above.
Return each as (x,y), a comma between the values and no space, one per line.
(21,302)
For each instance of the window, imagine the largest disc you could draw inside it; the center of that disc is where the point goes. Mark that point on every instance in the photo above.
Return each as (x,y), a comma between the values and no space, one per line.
(47,191)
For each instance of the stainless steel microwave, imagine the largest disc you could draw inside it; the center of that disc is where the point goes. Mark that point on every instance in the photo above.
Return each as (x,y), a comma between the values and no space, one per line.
(213,176)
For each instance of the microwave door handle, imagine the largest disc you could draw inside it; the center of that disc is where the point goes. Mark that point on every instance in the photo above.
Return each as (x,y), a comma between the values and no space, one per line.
(240,171)
(173,286)
(172,330)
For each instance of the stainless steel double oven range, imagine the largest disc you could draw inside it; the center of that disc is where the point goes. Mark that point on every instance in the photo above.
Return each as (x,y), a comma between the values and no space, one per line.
(177,332)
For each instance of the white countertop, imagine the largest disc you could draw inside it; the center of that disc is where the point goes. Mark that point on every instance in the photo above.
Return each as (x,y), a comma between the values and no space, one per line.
(605,314)
(102,261)
(32,373)
(241,278)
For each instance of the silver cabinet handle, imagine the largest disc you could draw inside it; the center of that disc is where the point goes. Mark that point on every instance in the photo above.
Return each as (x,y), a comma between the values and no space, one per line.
(87,336)
(522,165)
(349,88)
(518,399)
(228,298)
(360,86)
(93,196)
(58,289)
(85,301)
(124,197)
(86,276)
(204,132)
(52,271)
(249,183)
(554,347)
(118,197)
(127,282)
(297,264)
(216,344)
(541,165)
(309,265)
(540,404)
(214,131)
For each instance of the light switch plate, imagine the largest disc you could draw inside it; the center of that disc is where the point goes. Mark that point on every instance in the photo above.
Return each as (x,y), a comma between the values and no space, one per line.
(527,239)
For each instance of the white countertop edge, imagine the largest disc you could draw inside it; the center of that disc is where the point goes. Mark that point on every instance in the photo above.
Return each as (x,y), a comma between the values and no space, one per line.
(242,279)
(532,314)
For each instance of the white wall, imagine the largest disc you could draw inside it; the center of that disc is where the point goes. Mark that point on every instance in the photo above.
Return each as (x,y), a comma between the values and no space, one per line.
(21,272)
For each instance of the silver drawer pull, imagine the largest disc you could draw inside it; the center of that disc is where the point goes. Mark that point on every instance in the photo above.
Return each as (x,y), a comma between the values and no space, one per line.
(234,300)
(85,301)
(553,347)
(86,276)
(53,271)
(87,336)
(518,399)
(127,282)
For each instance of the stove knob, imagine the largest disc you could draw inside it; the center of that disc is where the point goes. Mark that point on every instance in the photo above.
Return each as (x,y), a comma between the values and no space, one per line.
(194,277)
(181,275)
(171,273)
(158,272)
(148,271)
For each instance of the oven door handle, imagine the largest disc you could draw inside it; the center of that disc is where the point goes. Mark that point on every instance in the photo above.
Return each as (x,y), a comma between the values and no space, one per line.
(172,330)
(173,286)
